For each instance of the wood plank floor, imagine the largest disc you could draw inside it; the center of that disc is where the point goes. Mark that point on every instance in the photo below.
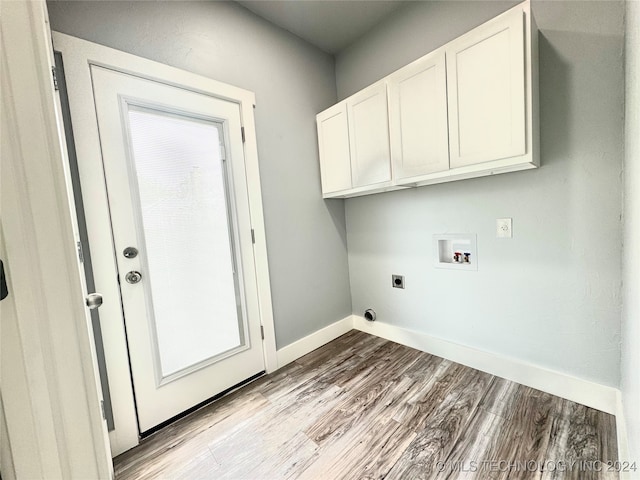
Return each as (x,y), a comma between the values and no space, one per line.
(363,407)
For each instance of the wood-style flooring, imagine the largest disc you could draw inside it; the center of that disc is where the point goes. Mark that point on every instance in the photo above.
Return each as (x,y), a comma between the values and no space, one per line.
(363,407)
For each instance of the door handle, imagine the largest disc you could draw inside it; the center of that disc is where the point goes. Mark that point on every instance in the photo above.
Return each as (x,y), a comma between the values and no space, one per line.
(133,277)
(94,300)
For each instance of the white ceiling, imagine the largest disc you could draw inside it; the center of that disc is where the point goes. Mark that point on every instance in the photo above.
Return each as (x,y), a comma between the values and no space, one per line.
(330,25)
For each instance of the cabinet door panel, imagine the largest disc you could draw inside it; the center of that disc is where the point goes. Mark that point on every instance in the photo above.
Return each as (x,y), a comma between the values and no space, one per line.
(418,105)
(486,92)
(369,136)
(333,140)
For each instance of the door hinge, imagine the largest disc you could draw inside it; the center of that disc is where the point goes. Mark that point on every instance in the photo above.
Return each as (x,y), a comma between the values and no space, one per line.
(55,77)
(104,414)
(253,236)
(80,252)
(262,332)
(242,133)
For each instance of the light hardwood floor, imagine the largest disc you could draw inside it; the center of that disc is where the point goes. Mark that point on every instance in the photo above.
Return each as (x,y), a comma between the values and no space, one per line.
(364,407)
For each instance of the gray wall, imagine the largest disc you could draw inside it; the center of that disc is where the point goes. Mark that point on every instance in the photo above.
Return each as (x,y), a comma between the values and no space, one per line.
(551,295)
(306,238)
(630,383)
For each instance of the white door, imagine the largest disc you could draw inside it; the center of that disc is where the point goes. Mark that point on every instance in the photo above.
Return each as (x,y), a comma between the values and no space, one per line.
(418,113)
(369,136)
(486,92)
(175,176)
(333,144)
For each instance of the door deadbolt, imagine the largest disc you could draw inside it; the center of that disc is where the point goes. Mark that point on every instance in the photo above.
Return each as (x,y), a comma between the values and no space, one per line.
(133,277)
(130,252)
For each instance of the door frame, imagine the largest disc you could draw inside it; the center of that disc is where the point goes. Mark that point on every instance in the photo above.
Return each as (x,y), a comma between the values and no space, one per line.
(50,394)
(78,55)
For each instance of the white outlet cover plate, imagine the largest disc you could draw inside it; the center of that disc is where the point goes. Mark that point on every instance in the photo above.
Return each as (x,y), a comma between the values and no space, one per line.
(503,228)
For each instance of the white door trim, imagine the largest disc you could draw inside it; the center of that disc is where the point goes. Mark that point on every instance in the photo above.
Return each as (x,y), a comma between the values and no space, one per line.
(49,382)
(77,56)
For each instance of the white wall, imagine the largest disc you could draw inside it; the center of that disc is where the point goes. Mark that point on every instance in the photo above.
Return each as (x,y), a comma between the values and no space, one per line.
(306,237)
(630,383)
(7,469)
(551,295)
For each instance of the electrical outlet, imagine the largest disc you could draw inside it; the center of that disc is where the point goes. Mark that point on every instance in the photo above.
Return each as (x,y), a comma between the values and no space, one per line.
(397,281)
(503,228)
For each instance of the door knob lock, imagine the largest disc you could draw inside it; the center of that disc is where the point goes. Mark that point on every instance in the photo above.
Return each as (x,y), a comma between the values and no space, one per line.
(133,277)
(94,300)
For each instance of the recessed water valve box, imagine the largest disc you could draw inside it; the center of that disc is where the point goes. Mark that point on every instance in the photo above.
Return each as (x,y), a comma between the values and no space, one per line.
(457,251)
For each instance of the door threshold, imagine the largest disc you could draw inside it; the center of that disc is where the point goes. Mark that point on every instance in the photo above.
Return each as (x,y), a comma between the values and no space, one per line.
(146,434)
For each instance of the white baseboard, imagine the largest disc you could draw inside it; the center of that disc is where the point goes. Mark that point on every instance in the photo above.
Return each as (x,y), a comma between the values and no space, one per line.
(591,394)
(317,339)
(587,393)
(623,440)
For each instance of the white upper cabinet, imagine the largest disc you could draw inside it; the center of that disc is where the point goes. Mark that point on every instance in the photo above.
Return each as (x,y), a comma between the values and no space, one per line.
(486,91)
(333,143)
(369,136)
(465,110)
(418,114)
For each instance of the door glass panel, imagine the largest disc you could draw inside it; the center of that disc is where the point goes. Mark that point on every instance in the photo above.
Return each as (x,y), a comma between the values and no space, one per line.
(183,222)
